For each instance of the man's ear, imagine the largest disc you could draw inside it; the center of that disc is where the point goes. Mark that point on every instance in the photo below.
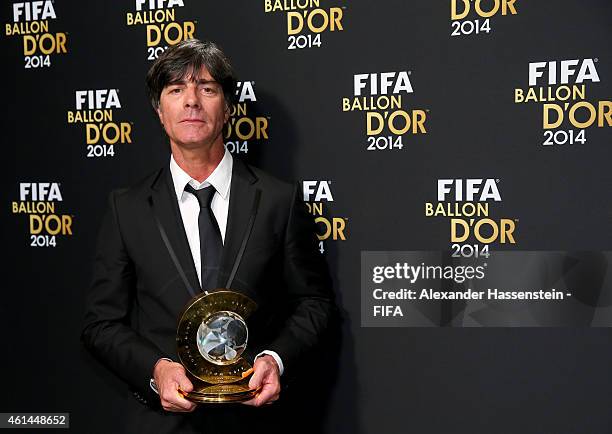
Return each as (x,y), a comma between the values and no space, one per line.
(226,115)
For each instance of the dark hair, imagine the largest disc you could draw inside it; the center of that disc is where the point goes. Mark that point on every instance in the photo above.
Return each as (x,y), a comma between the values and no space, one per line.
(185,59)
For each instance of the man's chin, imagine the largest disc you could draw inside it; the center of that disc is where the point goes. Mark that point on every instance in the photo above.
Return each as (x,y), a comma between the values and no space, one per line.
(194,143)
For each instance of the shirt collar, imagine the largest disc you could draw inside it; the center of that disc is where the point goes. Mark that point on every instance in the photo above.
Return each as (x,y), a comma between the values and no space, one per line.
(220,178)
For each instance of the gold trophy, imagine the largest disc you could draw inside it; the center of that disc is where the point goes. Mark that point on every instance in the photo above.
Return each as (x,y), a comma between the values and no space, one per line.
(212,335)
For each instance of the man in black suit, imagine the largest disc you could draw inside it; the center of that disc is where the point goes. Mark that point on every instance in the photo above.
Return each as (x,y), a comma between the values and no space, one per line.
(154,255)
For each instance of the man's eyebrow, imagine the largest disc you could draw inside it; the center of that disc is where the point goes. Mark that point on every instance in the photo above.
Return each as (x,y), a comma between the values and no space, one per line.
(176,82)
(182,81)
(203,81)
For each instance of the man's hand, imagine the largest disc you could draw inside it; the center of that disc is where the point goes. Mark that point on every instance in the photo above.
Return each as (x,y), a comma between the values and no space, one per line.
(169,377)
(266,375)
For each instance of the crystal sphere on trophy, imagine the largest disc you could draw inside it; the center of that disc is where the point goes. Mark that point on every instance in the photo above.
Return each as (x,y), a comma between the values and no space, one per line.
(211,337)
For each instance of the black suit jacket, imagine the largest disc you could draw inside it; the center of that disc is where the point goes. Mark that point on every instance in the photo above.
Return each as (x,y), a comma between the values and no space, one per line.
(137,293)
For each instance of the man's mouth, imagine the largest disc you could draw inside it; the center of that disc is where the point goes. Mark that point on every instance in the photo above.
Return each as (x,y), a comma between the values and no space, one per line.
(193,120)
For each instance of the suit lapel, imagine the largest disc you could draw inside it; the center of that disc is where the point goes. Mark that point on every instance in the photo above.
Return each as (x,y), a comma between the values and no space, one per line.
(165,205)
(242,195)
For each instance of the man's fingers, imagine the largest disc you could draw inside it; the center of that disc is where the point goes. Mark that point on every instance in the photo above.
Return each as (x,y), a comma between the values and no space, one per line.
(184,384)
(184,404)
(266,377)
(172,400)
(251,402)
(268,394)
(177,403)
(177,409)
(256,378)
(170,377)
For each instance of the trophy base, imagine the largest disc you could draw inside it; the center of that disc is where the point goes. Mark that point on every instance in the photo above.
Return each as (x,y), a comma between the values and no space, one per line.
(221,393)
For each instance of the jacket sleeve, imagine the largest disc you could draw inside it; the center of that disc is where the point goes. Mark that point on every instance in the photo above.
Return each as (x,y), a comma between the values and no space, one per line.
(107,333)
(308,285)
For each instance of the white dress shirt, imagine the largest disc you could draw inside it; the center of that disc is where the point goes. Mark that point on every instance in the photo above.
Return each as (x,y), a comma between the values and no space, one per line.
(221,180)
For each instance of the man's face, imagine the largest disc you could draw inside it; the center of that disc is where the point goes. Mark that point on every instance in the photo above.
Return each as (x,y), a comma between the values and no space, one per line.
(193,111)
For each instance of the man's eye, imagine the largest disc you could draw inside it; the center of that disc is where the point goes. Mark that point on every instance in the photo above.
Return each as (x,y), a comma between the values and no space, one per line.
(209,90)
(175,90)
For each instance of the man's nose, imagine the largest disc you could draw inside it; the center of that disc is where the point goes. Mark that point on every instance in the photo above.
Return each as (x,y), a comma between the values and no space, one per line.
(191,97)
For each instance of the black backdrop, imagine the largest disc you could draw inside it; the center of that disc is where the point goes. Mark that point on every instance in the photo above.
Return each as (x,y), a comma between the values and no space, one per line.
(375,380)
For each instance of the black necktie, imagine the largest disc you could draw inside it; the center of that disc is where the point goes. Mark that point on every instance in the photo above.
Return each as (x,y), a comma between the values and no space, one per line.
(211,245)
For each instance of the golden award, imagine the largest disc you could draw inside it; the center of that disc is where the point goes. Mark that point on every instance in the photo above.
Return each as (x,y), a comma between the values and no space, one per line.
(212,334)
